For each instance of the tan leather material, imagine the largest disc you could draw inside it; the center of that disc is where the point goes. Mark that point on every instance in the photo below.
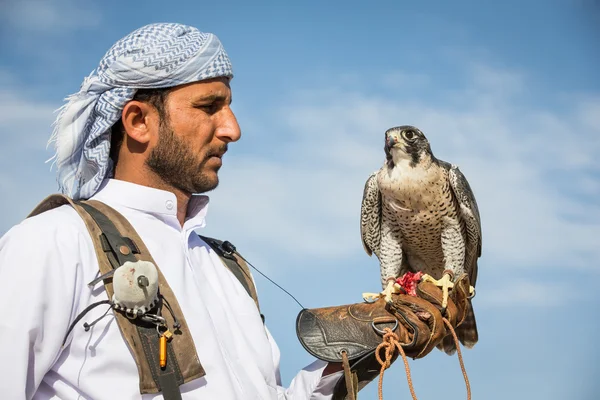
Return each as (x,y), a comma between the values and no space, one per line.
(460,297)
(248,278)
(50,202)
(458,305)
(357,329)
(235,263)
(349,377)
(424,327)
(182,343)
(361,373)
(327,332)
(432,294)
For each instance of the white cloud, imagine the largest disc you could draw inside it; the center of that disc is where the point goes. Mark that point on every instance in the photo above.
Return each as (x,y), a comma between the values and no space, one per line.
(589,114)
(23,122)
(303,194)
(25,126)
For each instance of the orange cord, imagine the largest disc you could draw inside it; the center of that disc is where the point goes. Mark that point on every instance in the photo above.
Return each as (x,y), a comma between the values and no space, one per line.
(392,342)
(460,359)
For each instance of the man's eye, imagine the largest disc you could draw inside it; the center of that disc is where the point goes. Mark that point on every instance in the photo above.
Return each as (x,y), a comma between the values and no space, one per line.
(209,108)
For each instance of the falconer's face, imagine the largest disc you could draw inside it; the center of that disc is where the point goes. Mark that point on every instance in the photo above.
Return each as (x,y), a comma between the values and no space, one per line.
(193,135)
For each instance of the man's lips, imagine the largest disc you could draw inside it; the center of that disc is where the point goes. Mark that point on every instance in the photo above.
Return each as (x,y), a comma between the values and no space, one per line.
(219,153)
(216,158)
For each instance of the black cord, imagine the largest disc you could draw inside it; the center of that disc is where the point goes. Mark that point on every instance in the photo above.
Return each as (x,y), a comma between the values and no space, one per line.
(228,248)
(87,326)
(270,280)
(82,314)
(176,323)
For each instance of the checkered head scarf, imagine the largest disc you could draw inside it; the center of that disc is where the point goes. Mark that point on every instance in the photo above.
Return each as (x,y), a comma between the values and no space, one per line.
(154,56)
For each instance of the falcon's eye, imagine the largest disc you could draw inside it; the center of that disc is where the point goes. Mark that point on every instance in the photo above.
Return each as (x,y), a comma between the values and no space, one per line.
(408,135)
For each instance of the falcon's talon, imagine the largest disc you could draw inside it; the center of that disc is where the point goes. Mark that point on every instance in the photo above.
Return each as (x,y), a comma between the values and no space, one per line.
(389,290)
(371,297)
(443,312)
(471,292)
(445,283)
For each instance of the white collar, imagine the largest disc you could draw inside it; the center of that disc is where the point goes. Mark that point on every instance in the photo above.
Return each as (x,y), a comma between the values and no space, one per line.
(160,203)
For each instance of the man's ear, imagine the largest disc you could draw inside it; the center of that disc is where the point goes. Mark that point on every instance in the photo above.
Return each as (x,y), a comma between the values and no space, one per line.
(140,121)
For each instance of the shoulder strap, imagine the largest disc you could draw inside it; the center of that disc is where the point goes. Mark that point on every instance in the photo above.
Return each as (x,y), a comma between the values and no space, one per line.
(236,264)
(116,242)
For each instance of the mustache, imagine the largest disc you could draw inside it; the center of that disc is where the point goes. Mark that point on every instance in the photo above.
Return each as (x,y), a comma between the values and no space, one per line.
(218,152)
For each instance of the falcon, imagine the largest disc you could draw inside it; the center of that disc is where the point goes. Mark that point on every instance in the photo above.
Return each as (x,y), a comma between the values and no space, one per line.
(418,213)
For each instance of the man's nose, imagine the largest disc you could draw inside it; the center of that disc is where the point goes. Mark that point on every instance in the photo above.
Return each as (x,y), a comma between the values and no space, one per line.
(228,128)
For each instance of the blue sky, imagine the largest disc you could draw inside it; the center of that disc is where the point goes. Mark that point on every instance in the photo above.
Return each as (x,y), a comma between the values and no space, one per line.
(508,91)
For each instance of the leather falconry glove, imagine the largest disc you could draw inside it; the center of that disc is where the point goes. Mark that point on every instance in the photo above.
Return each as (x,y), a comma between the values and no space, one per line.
(351,334)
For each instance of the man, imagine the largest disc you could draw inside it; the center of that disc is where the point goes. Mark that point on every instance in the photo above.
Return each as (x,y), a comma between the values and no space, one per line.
(147,130)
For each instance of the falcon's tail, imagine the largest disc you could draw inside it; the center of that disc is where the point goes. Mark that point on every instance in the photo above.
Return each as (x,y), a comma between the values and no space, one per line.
(466,332)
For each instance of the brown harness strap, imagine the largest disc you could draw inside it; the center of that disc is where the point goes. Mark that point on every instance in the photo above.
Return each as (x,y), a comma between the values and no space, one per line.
(235,263)
(112,249)
(351,378)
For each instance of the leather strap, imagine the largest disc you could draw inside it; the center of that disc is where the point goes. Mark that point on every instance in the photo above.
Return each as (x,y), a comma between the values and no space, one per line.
(234,262)
(118,244)
(350,378)
(120,250)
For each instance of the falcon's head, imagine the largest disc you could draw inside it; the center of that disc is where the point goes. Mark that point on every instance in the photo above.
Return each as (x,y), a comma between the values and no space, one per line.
(405,142)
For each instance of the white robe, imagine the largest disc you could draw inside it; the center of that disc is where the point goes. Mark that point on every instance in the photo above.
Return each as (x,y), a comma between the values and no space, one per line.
(45,264)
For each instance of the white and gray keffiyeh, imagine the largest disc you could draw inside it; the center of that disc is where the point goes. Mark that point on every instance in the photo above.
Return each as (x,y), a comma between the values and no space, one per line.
(151,57)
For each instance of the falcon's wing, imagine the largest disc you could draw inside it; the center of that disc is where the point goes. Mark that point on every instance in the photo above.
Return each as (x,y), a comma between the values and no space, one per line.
(370,216)
(469,212)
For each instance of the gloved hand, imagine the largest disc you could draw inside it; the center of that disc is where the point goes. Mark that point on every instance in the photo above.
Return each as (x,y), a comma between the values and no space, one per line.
(368,337)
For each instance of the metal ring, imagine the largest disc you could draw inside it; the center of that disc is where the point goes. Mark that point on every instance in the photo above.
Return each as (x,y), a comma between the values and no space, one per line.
(380,331)
(130,314)
(164,328)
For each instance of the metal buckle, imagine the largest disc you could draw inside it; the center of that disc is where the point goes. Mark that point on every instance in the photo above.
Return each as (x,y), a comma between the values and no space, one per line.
(382,332)
(154,319)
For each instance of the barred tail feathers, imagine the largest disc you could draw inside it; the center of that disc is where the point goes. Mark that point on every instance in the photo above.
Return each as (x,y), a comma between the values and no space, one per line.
(467,334)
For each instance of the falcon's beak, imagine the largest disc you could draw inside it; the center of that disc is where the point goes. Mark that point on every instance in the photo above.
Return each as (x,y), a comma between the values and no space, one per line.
(390,142)
(393,140)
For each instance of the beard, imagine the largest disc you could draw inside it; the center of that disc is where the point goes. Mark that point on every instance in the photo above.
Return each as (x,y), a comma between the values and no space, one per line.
(175,163)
